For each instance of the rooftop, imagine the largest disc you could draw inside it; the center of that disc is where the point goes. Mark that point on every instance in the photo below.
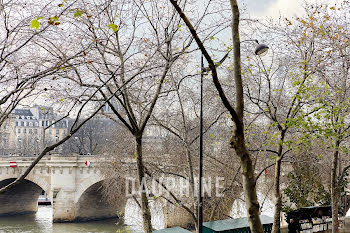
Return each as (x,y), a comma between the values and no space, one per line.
(23,112)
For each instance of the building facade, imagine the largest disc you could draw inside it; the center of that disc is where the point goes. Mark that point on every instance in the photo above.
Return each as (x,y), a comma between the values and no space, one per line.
(29,130)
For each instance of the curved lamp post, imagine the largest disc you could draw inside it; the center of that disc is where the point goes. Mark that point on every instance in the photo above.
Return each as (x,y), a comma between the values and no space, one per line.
(260,50)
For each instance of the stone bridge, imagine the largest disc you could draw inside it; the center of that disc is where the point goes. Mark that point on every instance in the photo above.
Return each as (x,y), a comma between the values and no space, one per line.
(73,188)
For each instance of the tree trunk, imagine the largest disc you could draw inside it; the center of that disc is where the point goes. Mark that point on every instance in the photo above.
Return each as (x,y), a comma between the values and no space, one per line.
(146,213)
(334,188)
(237,140)
(252,204)
(277,192)
(278,197)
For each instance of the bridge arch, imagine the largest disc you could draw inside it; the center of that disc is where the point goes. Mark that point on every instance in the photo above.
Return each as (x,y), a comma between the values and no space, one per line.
(91,203)
(22,198)
(83,186)
(41,182)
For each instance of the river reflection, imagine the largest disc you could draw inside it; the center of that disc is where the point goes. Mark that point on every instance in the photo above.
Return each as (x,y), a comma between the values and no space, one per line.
(41,222)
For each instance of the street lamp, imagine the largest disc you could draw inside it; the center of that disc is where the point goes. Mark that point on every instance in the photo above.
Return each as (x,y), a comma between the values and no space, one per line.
(260,50)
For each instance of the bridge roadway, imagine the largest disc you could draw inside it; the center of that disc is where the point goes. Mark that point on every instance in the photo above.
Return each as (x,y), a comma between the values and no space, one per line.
(73,187)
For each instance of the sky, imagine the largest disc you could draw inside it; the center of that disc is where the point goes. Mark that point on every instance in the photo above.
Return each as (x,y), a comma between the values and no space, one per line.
(275,8)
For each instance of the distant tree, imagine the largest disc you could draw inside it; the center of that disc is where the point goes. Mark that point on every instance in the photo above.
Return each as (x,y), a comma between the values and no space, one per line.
(92,138)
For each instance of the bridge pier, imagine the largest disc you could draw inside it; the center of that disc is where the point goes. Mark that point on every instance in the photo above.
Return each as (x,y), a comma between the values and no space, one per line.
(64,206)
(63,189)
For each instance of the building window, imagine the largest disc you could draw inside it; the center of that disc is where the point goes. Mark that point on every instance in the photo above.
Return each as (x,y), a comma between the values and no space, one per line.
(30,123)
(16,123)
(57,131)
(19,130)
(36,124)
(36,131)
(22,123)
(42,123)
(47,123)
(24,130)
(6,143)
(50,131)
(30,131)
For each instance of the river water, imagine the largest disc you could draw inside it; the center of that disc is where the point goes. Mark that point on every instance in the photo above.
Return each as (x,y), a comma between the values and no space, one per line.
(41,222)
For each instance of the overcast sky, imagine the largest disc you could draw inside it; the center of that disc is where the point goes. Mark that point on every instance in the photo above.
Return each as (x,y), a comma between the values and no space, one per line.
(275,8)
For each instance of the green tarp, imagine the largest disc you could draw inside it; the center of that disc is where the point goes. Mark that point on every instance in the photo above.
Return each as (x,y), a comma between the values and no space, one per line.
(172,230)
(235,223)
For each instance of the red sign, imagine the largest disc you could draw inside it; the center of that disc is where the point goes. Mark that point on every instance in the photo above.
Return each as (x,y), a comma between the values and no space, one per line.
(13,164)
(87,163)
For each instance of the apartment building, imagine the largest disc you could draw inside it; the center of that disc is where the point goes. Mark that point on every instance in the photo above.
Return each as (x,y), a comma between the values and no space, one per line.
(28,130)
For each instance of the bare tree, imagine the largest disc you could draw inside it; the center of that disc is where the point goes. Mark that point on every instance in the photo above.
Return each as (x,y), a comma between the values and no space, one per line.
(130,43)
(183,136)
(27,55)
(238,138)
(284,98)
(304,63)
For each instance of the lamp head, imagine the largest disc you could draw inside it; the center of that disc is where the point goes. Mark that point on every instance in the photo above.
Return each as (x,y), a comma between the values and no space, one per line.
(261,49)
